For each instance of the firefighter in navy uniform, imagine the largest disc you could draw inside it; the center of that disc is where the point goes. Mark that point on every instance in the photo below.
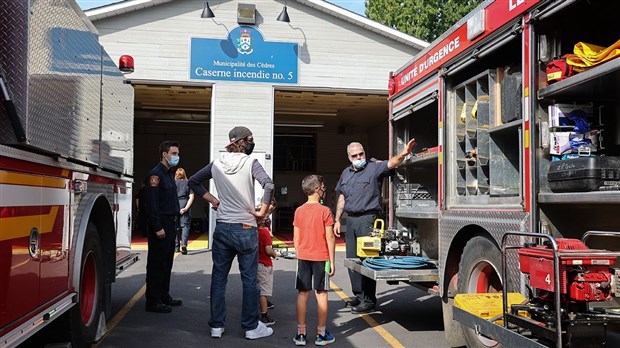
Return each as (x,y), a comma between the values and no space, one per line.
(163,219)
(359,196)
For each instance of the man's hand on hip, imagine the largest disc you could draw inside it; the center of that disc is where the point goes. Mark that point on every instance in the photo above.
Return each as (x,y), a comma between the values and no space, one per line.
(161,233)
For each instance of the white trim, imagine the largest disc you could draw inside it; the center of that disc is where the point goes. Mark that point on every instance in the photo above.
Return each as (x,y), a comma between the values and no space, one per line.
(38,321)
(122,7)
(32,196)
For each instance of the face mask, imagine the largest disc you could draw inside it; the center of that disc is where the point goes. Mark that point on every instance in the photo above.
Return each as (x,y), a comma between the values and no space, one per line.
(249,147)
(174,160)
(322,196)
(359,164)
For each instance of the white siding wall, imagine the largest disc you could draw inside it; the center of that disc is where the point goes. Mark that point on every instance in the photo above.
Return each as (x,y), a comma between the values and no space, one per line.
(249,105)
(333,53)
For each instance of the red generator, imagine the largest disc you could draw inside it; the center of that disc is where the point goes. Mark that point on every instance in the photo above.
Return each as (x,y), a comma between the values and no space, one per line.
(582,279)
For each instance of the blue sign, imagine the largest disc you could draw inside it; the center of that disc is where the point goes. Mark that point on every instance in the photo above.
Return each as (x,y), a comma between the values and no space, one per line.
(243,56)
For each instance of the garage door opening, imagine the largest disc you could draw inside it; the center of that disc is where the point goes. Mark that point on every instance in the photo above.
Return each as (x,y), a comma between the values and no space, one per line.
(172,112)
(312,129)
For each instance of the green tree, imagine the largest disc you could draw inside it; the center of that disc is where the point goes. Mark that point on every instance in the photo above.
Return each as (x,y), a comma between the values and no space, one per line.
(424,19)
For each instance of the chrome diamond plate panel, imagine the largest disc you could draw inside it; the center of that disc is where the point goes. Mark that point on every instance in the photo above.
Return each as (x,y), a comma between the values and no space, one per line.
(496,223)
(13,60)
(64,73)
(117,120)
(69,95)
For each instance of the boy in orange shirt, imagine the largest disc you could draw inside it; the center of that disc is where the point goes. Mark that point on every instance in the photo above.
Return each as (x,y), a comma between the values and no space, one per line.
(315,245)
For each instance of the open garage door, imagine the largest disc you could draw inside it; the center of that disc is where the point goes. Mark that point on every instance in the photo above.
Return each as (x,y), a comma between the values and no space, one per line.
(180,112)
(311,132)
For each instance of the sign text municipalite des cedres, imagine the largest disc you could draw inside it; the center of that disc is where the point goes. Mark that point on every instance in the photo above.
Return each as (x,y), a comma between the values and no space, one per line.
(243,56)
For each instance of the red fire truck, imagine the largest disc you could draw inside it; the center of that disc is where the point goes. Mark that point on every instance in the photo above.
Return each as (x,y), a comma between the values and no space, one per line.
(514,140)
(66,144)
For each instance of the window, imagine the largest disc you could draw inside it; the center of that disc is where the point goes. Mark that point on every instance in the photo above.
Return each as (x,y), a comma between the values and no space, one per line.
(295,152)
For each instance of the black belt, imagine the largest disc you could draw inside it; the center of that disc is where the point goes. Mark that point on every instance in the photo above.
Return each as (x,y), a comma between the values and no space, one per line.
(368,212)
(170,217)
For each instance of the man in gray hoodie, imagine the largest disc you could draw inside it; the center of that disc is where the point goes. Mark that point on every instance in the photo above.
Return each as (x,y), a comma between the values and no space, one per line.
(235,233)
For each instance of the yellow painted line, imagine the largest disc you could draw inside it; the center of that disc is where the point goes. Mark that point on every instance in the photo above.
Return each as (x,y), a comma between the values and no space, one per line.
(126,308)
(122,313)
(7,177)
(202,242)
(391,340)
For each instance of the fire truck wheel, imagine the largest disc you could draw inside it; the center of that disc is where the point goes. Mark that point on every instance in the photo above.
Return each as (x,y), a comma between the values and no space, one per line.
(84,316)
(479,272)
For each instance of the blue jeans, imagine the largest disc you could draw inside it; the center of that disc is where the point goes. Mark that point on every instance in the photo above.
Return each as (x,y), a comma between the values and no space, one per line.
(230,240)
(186,221)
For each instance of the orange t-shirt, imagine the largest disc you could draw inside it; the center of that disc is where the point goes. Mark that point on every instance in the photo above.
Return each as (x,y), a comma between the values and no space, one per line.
(311,219)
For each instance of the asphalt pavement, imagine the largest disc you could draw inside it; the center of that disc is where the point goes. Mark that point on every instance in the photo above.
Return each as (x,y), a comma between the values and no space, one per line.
(405,316)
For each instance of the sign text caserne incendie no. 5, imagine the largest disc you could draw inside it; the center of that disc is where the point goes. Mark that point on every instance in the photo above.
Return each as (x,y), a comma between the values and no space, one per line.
(243,56)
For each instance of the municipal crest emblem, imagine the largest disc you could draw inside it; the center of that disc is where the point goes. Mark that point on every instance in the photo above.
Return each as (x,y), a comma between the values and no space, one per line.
(244,42)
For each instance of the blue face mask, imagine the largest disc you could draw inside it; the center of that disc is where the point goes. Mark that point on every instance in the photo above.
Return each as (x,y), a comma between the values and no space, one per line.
(174,160)
(359,164)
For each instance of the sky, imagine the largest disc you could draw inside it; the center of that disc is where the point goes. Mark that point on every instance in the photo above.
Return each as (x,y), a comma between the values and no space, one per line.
(351,5)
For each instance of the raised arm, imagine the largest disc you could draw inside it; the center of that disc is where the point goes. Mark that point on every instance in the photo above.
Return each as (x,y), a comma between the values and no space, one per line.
(399,158)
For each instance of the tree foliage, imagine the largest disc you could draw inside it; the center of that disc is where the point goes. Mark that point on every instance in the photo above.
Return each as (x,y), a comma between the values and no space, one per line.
(424,19)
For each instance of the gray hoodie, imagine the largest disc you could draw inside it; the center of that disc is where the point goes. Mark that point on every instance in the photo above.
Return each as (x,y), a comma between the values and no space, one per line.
(234,175)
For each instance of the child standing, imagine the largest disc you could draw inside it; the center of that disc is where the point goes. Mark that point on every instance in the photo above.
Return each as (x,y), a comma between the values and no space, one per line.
(264,275)
(315,244)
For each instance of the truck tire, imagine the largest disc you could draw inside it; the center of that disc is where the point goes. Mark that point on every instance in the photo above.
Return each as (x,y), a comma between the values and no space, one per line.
(479,272)
(84,316)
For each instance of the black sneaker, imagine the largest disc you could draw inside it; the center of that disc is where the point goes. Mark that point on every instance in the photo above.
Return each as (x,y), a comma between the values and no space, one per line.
(158,308)
(267,320)
(172,302)
(184,250)
(323,340)
(300,340)
(364,307)
(353,303)
(270,305)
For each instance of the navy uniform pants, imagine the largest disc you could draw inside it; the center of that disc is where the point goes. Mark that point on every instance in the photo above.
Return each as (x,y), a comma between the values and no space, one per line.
(364,288)
(159,262)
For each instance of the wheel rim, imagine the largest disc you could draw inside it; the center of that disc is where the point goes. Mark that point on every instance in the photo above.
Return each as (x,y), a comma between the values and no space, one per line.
(88,288)
(484,278)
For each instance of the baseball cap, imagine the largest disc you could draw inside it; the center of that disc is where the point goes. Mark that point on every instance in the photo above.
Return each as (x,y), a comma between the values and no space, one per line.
(238,133)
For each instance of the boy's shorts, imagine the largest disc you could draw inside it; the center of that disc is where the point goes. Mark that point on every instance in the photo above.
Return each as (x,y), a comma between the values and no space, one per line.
(307,270)
(264,279)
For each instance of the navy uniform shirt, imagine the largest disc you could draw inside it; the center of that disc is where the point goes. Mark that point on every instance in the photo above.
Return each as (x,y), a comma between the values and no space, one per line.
(161,196)
(362,188)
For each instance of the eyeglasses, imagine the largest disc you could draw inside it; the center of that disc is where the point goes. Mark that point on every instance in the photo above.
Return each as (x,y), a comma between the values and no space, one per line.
(356,155)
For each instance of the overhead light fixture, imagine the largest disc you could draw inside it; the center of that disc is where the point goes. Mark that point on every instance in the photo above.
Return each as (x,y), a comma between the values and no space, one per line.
(182,121)
(283,17)
(307,113)
(171,108)
(299,125)
(206,12)
(246,14)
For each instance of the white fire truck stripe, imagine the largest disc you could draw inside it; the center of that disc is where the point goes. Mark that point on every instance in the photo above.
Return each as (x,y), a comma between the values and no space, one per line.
(20,196)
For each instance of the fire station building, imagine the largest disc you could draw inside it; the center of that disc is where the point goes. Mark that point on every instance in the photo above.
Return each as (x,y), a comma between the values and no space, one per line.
(307,77)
